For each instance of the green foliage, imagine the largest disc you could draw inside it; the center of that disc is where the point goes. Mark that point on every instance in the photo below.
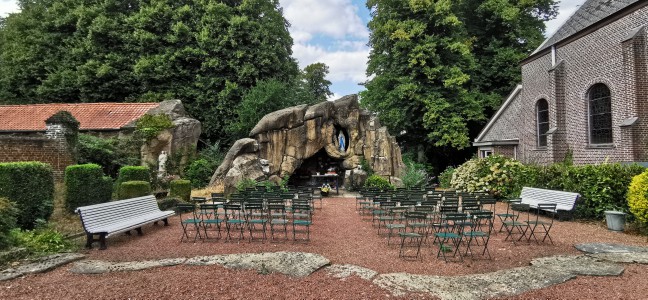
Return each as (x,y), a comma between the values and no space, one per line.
(42,240)
(445,177)
(376,181)
(30,185)
(414,176)
(133,189)
(180,188)
(86,185)
(199,172)
(8,214)
(110,153)
(207,53)
(149,126)
(314,82)
(364,164)
(134,173)
(265,97)
(439,69)
(496,174)
(638,198)
(245,183)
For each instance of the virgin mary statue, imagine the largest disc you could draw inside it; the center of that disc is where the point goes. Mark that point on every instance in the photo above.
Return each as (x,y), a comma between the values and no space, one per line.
(342,141)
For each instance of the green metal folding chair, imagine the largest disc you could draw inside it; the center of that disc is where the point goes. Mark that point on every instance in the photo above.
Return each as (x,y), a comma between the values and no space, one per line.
(414,233)
(212,219)
(256,219)
(518,223)
(477,235)
(278,219)
(234,219)
(302,220)
(189,219)
(541,226)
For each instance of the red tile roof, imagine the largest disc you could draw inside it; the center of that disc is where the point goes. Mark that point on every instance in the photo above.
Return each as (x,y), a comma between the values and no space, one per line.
(91,116)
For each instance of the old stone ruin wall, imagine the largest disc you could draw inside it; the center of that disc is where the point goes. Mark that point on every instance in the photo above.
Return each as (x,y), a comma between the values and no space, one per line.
(284,139)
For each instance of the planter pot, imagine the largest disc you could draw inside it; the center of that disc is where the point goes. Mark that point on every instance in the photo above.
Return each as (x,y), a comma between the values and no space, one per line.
(615,220)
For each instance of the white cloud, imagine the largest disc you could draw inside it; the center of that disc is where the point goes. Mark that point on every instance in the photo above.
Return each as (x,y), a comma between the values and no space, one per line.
(333,18)
(8,6)
(343,65)
(566,9)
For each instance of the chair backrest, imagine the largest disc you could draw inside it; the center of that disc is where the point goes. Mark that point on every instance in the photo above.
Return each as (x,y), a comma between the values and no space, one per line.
(448,208)
(386,204)
(184,209)
(199,199)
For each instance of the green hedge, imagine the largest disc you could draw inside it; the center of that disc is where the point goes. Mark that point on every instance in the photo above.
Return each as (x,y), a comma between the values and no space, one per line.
(86,185)
(180,188)
(199,172)
(134,173)
(602,187)
(8,213)
(133,189)
(30,185)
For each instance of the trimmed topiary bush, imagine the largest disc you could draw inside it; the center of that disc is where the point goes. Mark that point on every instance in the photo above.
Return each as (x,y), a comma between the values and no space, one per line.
(180,188)
(8,213)
(376,181)
(30,186)
(134,173)
(86,185)
(133,189)
(637,200)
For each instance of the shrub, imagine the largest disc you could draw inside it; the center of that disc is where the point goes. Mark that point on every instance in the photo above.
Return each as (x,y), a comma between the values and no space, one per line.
(133,189)
(42,241)
(376,181)
(637,198)
(414,176)
(245,183)
(181,188)
(8,213)
(149,126)
(86,185)
(30,185)
(169,203)
(364,164)
(199,172)
(111,153)
(445,177)
(495,174)
(134,173)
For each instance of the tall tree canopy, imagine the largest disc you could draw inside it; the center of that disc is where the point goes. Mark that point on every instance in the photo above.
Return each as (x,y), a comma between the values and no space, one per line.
(438,67)
(207,53)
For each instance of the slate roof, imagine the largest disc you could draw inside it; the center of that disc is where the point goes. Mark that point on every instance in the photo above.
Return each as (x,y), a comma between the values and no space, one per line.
(91,116)
(590,13)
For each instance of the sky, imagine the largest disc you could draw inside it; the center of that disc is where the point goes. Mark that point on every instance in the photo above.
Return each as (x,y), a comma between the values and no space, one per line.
(335,32)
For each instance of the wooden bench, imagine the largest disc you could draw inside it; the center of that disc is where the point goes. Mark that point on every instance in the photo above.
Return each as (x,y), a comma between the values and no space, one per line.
(565,201)
(111,218)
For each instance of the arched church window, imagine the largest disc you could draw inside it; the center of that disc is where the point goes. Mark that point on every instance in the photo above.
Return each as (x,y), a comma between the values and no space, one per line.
(600,114)
(542,119)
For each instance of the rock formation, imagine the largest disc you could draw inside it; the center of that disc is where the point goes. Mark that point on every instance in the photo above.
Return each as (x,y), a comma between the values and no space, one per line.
(283,139)
(181,139)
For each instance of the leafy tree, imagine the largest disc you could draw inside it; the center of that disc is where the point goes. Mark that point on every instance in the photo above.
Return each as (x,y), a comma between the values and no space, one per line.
(267,96)
(314,79)
(206,53)
(440,68)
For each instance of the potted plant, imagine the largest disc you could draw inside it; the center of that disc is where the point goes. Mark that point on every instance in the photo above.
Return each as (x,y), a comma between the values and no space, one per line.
(325,189)
(615,218)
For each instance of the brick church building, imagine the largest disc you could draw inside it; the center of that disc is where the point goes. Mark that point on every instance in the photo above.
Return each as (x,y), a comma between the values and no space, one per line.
(584,90)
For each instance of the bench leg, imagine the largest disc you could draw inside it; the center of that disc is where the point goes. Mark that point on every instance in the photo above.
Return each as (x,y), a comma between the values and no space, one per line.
(89,240)
(139,231)
(102,241)
(166,222)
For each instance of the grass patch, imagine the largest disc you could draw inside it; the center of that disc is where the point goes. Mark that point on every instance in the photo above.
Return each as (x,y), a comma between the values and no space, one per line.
(62,221)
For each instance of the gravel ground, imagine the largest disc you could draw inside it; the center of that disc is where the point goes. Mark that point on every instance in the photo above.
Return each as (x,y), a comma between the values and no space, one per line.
(340,235)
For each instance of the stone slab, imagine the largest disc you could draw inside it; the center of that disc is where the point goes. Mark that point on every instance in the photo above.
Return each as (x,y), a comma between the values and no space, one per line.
(609,248)
(99,267)
(344,271)
(630,257)
(43,264)
(296,264)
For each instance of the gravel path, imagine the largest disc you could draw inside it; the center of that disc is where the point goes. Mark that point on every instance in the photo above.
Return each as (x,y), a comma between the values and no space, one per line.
(338,234)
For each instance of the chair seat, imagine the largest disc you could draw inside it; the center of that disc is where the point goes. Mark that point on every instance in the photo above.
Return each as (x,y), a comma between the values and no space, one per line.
(302,222)
(515,223)
(394,226)
(538,222)
(236,221)
(475,234)
(191,221)
(409,234)
(447,235)
(279,222)
(258,221)
(213,221)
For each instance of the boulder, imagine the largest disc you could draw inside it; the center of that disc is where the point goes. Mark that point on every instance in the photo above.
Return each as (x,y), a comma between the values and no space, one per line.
(242,146)
(286,118)
(244,166)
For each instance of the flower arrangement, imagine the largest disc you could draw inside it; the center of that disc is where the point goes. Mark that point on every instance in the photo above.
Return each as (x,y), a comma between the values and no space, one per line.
(325,188)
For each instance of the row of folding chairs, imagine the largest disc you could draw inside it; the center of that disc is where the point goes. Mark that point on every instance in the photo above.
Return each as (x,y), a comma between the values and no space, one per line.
(255,219)
(518,223)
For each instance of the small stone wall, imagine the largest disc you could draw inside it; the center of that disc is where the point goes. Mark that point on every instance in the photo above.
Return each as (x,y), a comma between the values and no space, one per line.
(37,148)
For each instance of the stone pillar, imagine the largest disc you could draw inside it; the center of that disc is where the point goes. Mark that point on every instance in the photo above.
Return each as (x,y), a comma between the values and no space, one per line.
(63,129)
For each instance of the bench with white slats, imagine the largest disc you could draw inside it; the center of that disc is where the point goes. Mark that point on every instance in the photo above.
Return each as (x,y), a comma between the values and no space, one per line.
(565,201)
(107,219)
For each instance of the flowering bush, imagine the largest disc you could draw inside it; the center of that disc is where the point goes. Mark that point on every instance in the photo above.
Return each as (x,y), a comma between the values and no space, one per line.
(637,200)
(495,174)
